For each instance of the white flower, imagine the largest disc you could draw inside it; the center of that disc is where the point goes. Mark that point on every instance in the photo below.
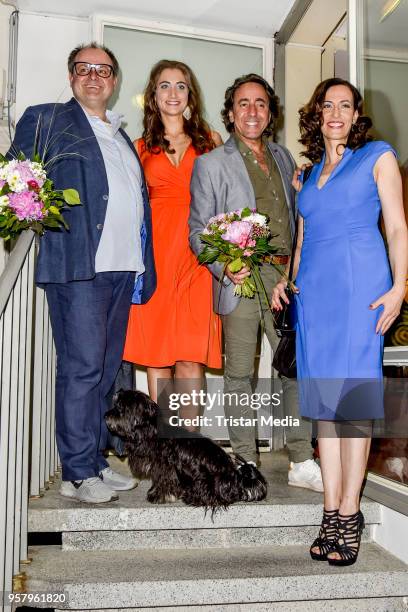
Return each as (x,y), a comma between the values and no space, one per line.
(4,201)
(38,170)
(14,181)
(3,172)
(256,218)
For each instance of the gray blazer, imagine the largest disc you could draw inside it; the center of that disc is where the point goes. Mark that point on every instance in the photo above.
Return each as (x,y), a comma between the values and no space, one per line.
(220,183)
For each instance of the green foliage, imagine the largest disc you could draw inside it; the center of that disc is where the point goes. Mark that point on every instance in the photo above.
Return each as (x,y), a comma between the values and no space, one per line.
(236,265)
(246,212)
(247,289)
(71,197)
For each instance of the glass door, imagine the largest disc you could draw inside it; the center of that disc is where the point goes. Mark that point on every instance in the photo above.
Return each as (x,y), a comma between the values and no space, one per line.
(382,74)
(215,60)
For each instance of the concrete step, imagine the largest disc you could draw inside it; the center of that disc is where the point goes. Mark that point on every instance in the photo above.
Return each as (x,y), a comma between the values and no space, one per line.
(284,507)
(192,538)
(119,516)
(374,604)
(145,578)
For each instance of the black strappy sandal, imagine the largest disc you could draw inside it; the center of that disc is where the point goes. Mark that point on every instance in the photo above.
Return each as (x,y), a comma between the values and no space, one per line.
(349,533)
(326,540)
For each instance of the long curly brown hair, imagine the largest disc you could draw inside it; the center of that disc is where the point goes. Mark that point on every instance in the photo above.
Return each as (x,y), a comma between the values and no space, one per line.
(196,127)
(311,120)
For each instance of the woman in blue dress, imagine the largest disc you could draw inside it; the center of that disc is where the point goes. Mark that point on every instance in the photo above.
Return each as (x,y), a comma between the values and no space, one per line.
(349,294)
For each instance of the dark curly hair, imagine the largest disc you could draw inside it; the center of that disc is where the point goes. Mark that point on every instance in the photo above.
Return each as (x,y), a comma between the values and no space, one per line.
(229,101)
(195,127)
(310,121)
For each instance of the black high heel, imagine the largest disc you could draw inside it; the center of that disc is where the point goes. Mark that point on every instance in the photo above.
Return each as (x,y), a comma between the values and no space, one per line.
(349,530)
(326,540)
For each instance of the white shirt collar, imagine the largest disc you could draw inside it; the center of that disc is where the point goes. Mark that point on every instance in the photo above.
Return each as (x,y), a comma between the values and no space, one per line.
(114,119)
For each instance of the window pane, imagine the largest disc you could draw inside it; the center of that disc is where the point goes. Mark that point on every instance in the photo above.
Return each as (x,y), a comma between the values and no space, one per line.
(385,69)
(215,64)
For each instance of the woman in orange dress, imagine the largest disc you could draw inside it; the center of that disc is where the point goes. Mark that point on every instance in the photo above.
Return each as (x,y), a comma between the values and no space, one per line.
(176,333)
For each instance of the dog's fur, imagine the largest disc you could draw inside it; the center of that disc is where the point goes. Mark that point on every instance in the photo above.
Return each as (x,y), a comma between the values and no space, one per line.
(180,464)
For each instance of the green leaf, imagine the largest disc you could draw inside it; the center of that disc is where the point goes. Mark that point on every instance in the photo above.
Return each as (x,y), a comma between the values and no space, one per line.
(10,221)
(61,221)
(50,222)
(71,196)
(37,227)
(208,255)
(236,265)
(248,288)
(246,212)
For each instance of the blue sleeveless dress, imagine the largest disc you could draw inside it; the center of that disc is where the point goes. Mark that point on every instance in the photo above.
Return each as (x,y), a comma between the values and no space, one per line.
(343,269)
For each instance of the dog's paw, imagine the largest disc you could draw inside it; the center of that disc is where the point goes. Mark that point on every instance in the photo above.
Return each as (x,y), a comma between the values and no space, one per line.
(154,496)
(170,499)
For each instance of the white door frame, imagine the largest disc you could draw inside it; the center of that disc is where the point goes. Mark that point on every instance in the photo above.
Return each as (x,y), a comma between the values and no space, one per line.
(356,43)
(98,22)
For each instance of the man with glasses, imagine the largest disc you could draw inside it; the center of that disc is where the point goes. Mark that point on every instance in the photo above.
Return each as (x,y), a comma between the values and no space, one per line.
(89,271)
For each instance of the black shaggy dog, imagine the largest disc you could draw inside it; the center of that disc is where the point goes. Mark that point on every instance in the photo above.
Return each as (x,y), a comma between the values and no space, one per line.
(181,465)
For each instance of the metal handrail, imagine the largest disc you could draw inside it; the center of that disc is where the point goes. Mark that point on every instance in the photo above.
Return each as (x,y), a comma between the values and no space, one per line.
(14,263)
(28,454)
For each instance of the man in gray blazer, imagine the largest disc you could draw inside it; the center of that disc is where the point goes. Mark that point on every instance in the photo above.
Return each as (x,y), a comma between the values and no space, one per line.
(251,170)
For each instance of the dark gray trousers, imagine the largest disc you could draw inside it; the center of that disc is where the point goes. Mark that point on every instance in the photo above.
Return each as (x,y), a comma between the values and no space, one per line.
(241,332)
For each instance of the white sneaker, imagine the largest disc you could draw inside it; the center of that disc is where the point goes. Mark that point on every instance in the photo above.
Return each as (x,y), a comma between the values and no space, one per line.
(306,474)
(116,481)
(90,490)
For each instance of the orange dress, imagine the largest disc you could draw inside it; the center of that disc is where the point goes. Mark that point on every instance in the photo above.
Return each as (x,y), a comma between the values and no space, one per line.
(178,322)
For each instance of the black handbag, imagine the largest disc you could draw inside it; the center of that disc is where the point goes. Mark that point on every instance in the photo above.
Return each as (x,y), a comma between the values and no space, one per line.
(284,358)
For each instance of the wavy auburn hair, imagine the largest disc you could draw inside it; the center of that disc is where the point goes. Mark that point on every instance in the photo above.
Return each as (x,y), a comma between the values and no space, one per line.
(196,127)
(311,119)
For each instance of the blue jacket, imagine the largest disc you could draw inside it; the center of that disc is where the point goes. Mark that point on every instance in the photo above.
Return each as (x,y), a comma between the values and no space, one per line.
(70,255)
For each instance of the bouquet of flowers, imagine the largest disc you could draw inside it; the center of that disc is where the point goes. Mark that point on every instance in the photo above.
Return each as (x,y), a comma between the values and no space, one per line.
(237,239)
(28,199)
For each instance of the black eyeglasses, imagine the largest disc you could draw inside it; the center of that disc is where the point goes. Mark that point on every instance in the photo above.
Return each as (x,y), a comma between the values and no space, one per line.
(102,70)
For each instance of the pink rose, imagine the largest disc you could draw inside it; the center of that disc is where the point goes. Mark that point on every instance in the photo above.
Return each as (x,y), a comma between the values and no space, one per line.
(238,233)
(26,206)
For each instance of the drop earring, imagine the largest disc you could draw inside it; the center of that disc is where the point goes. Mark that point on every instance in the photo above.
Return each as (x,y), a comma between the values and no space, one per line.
(187,113)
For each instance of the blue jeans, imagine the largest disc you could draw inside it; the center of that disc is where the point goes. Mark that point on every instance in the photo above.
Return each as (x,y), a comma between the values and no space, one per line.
(89,320)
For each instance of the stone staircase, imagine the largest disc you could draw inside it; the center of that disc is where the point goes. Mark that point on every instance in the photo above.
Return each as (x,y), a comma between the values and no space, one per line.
(131,555)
